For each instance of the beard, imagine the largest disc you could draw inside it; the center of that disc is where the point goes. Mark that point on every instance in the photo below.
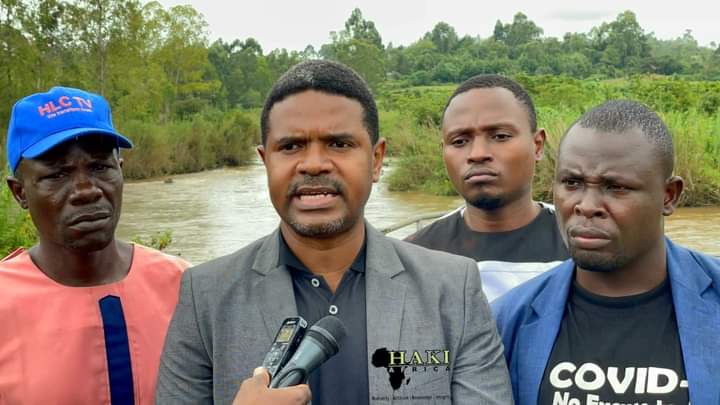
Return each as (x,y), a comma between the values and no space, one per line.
(324,229)
(321,230)
(493,201)
(598,262)
(487,203)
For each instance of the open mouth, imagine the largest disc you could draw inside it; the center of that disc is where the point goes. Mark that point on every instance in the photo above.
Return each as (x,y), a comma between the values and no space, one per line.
(315,197)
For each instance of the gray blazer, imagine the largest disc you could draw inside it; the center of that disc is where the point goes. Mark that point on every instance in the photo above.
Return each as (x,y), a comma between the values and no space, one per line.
(417,300)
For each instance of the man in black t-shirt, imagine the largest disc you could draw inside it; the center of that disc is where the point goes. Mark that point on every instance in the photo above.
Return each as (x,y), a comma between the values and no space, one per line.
(632,318)
(491,144)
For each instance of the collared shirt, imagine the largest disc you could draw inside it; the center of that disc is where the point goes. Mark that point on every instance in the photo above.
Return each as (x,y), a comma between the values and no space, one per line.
(343,379)
(85,345)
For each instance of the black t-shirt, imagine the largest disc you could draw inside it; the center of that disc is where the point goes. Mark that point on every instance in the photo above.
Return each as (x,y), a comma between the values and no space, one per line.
(617,351)
(505,259)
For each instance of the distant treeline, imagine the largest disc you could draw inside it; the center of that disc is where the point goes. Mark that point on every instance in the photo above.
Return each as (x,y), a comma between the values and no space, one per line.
(157,65)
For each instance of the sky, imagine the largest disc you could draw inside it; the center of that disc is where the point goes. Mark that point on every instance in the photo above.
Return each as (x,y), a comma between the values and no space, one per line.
(293,24)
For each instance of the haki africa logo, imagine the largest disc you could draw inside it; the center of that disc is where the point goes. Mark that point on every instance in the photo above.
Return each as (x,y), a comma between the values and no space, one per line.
(399,362)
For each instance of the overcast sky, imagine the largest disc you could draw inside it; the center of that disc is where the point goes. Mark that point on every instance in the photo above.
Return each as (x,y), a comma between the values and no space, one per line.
(294,24)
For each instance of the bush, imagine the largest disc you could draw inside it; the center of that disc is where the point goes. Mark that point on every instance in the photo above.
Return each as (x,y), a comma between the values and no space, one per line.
(212,139)
(16,227)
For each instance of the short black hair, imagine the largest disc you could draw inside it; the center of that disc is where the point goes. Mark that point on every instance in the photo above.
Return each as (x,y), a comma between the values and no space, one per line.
(489,81)
(327,77)
(619,116)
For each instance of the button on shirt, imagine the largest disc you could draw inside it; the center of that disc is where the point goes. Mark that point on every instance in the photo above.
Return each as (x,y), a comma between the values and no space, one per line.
(343,379)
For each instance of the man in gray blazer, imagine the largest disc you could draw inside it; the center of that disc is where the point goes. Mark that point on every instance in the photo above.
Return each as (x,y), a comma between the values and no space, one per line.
(419,329)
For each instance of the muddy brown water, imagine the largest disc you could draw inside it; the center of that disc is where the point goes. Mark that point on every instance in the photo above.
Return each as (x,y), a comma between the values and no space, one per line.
(216,212)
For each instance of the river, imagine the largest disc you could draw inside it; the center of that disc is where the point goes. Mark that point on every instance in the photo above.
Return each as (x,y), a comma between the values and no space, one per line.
(216,212)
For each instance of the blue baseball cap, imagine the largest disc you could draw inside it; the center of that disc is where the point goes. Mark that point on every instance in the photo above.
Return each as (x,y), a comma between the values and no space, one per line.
(42,121)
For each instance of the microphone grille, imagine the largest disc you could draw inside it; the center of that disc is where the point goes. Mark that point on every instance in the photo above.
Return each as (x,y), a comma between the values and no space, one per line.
(332,326)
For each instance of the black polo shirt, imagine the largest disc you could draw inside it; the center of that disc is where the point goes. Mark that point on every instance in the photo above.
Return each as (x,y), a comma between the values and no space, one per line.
(344,378)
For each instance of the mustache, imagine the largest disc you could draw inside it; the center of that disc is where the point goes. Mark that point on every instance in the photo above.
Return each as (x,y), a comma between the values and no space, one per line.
(315,181)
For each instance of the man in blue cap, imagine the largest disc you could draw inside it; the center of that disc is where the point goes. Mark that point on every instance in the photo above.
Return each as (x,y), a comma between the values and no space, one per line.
(83,315)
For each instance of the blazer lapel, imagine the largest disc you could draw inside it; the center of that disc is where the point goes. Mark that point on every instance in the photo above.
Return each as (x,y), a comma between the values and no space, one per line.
(698,322)
(536,338)
(385,299)
(276,299)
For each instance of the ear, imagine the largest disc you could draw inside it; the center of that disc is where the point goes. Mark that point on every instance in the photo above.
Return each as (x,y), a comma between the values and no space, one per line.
(261,152)
(378,156)
(539,141)
(673,190)
(18,191)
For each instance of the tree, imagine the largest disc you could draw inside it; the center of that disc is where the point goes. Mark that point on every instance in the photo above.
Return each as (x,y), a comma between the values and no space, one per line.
(361,29)
(183,55)
(444,37)
(359,46)
(521,31)
(499,33)
(365,58)
(622,44)
(15,50)
(94,22)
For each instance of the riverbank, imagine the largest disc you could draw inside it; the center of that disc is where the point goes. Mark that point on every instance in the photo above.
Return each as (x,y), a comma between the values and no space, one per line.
(216,212)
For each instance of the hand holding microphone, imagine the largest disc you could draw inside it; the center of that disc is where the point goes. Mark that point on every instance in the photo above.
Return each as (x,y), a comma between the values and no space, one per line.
(321,342)
(255,391)
(289,374)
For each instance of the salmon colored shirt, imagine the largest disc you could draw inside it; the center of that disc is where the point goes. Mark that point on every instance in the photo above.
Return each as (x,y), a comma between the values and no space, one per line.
(52,339)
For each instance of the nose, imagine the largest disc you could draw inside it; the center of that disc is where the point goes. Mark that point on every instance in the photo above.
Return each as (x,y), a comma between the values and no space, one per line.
(590,204)
(479,150)
(314,161)
(85,190)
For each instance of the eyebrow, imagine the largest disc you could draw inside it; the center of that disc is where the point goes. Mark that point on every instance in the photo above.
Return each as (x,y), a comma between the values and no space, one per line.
(484,128)
(606,178)
(344,137)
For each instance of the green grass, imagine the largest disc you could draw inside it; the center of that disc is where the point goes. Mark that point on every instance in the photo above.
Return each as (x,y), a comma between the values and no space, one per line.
(419,166)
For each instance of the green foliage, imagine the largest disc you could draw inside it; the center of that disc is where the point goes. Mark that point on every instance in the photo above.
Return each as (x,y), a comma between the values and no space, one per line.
(189,105)
(16,227)
(213,139)
(419,165)
(413,117)
(359,46)
(158,240)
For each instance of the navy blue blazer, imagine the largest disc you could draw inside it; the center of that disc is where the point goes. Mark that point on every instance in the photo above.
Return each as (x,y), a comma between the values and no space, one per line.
(528,319)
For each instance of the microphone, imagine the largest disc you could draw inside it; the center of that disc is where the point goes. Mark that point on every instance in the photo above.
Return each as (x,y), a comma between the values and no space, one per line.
(321,342)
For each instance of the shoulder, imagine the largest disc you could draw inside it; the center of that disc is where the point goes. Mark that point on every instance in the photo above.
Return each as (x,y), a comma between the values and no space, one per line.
(18,267)
(17,274)
(17,256)
(709,265)
(433,268)
(150,257)
(438,230)
(547,214)
(230,267)
(519,299)
(422,257)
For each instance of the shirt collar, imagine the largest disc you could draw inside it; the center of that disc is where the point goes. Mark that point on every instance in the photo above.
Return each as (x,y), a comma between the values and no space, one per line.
(287,257)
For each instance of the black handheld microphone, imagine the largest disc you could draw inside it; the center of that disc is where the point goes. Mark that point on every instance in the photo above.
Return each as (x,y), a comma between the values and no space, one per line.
(321,342)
